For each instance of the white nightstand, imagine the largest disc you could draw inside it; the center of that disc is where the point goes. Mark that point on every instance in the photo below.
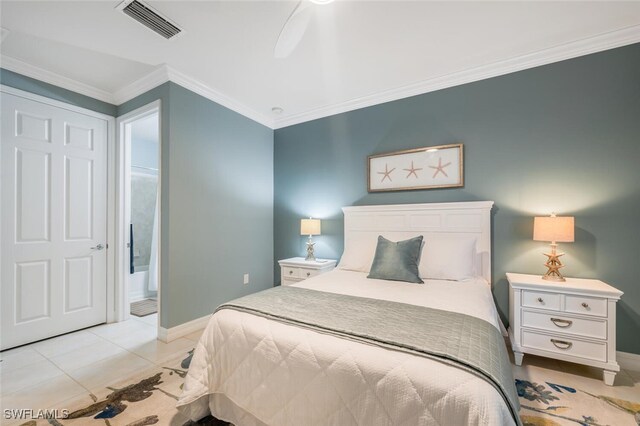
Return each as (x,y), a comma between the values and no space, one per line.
(572,321)
(297,269)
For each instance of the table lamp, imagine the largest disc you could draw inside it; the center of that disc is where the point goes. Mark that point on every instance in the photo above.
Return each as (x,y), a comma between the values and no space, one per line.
(310,227)
(554,229)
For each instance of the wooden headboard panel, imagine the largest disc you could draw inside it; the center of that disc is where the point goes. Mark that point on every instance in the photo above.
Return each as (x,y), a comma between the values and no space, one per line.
(402,221)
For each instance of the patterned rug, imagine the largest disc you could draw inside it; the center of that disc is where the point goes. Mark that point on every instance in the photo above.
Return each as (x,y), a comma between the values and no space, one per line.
(144,307)
(546,403)
(150,398)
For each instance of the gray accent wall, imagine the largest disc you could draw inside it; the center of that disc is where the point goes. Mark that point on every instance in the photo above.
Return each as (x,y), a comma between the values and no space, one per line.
(28,84)
(216,203)
(560,138)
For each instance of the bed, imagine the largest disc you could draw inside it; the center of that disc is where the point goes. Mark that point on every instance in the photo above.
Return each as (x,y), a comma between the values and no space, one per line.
(254,369)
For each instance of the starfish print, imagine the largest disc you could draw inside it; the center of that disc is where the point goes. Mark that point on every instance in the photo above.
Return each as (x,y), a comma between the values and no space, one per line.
(386,173)
(440,168)
(412,171)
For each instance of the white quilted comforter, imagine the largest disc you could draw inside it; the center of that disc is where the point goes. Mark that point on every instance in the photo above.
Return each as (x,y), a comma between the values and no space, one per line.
(253,371)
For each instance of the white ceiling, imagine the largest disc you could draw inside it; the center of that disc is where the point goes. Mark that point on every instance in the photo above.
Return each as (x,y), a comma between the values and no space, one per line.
(354,53)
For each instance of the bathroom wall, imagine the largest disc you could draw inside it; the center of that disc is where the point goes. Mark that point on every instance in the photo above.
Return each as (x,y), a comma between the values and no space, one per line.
(144,187)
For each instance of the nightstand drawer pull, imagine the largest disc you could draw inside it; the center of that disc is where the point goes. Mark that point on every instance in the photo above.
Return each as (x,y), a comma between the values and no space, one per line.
(592,306)
(562,323)
(541,300)
(561,344)
(308,274)
(290,271)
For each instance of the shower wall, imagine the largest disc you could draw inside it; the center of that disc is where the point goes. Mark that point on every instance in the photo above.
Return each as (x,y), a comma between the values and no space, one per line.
(144,191)
(144,188)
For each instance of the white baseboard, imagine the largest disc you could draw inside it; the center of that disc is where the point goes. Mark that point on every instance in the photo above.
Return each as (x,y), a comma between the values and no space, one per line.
(628,361)
(169,334)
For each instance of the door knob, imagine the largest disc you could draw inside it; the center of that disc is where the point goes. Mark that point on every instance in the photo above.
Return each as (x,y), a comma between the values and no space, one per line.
(98,247)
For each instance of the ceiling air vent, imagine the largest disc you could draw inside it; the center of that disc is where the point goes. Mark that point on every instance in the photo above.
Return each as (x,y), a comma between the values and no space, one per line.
(150,18)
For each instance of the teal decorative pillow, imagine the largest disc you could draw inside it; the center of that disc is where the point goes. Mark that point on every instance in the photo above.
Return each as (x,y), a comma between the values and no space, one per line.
(397,261)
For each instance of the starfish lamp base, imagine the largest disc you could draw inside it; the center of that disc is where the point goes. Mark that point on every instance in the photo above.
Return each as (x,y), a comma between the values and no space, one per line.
(310,255)
(553,265)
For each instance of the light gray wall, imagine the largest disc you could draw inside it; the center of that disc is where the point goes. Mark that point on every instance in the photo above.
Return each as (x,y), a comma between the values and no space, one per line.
(563,137)
(217,203)
(18,81)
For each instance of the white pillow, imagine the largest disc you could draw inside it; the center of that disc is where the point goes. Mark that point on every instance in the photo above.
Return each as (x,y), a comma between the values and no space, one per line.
(358,254)
(447,258)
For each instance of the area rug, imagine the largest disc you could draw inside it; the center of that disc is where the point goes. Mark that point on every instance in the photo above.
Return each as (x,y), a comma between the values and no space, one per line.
(144,307)
(547,403)
(150,398)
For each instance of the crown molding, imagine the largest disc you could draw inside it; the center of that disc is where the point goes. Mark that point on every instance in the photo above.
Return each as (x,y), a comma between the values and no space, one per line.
(164,73)
(26,69)
(218,97)
(562,52)
(155,78)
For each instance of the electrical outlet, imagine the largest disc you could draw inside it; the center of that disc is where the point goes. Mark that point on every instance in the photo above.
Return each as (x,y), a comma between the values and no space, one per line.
(246,279)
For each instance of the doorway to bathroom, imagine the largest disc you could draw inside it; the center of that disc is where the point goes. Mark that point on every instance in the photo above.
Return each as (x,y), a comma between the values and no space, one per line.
(140,214)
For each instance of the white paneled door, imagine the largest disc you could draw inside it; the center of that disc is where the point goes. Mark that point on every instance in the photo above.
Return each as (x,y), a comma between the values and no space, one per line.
(53,220)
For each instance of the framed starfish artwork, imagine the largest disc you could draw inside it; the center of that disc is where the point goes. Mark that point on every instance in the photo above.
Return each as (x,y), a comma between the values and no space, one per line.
(421,168)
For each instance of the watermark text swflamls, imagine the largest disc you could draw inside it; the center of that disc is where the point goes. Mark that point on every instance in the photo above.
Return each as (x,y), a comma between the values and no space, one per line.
(30,413)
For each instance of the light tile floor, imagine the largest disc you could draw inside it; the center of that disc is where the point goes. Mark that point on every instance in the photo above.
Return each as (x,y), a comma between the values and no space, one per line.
(48,373)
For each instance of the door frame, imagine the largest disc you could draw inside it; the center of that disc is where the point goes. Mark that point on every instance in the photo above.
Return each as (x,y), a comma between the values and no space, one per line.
(124,206)
(111,183)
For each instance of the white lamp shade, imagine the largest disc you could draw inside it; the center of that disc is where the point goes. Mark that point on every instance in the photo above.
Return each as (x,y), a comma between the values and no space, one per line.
(310,227)
(553,229)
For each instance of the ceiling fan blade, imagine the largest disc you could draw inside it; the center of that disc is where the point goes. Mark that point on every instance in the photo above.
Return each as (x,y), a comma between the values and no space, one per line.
(293,30)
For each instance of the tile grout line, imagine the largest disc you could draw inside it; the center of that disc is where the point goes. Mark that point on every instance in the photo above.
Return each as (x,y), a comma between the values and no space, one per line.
(65,372)
(120,346)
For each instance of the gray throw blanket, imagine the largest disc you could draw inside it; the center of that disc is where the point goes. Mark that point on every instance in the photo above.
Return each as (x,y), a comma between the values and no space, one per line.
(450,337)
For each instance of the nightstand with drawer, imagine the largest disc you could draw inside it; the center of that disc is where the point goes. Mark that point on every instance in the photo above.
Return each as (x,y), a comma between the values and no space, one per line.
(297,269)
(572,321)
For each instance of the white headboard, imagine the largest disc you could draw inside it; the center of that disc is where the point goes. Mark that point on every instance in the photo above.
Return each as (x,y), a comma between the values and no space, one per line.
(402,221)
